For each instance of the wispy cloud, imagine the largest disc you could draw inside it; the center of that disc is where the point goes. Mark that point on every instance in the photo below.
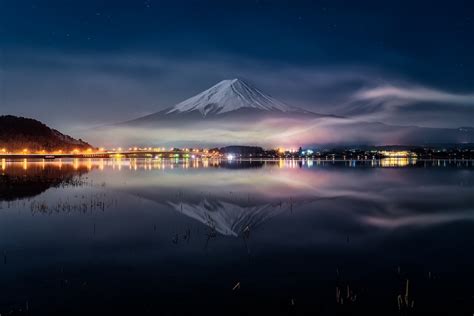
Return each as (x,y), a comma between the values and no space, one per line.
(409,95)
(84,90)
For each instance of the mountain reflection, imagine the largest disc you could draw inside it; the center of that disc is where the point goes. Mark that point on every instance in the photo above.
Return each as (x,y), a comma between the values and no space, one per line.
(103,221)
(229,218)
(233,196)
(26,179)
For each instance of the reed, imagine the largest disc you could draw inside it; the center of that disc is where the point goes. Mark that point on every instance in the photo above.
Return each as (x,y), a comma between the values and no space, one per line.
(404,302)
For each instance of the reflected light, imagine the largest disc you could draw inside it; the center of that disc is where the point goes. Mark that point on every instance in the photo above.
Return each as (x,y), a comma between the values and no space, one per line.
(397,162)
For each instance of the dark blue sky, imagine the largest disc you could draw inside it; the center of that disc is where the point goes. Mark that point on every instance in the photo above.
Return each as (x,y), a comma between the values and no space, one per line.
(100,61)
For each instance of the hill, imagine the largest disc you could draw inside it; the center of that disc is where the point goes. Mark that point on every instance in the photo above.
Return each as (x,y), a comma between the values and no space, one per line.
(18,133)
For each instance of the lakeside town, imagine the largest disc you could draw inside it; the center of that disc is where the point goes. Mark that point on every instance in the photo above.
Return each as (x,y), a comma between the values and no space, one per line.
(457,151)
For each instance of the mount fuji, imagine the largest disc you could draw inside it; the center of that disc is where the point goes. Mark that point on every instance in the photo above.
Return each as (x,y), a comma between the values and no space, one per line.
(233,98)
(234,112)
(228,96)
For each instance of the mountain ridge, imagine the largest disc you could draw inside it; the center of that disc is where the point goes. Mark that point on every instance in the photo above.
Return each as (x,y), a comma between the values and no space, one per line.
(228,98)
(230,95)
(18,133)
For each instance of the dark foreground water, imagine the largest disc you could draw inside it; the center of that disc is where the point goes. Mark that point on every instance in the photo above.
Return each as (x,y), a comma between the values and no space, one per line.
(149,237)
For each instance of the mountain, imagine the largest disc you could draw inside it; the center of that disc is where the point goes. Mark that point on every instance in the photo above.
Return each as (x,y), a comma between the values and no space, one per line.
(228,96)
(233,112)
(18,133)
(232,98)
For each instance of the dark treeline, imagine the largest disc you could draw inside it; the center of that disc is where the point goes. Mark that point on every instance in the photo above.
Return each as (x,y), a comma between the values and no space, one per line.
(19,133)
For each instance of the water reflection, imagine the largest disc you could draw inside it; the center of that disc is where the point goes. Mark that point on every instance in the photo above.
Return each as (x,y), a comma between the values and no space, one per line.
(229,218)
(25,179)
(231,195)
(184,232)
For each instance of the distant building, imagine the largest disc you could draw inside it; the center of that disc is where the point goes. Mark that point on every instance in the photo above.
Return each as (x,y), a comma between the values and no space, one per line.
(398,154)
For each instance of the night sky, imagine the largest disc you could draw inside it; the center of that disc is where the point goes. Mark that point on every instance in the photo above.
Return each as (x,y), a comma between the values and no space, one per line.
(76,64)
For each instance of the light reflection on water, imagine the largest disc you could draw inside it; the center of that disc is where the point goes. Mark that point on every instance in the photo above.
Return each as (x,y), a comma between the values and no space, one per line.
(151,164)
(188,230)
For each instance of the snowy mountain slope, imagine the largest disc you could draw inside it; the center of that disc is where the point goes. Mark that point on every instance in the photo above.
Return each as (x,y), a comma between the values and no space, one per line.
(231,95)
(232,99)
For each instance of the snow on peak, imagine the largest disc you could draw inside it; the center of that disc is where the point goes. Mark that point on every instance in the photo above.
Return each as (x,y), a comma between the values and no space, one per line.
(230,95)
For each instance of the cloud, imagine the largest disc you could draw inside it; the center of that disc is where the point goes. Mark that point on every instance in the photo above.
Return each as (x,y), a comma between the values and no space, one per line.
(87,89)
(74,91)
(413,95)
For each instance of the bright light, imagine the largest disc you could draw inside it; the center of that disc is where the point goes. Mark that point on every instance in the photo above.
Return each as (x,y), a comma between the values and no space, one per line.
(230,156)
(397,154)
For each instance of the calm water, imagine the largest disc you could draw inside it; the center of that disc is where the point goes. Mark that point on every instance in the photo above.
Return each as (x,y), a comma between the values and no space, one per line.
(146,237)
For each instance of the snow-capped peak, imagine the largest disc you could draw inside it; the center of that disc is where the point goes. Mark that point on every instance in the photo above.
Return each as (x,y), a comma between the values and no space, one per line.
(227,96)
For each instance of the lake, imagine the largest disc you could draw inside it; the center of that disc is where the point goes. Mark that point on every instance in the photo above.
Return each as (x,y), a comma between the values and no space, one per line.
(174,237)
